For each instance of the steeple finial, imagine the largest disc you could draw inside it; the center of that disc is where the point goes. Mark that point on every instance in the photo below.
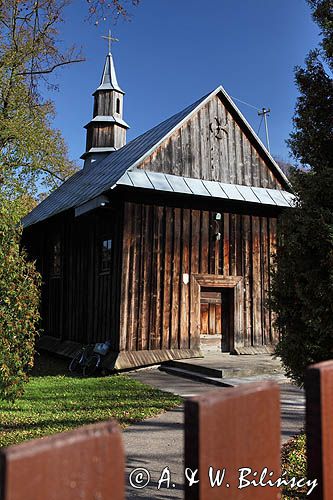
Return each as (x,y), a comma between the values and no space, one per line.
(110,39)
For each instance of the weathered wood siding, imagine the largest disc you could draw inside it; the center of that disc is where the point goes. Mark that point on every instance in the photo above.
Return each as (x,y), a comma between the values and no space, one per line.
(82,303)
(194,151)
(162,243)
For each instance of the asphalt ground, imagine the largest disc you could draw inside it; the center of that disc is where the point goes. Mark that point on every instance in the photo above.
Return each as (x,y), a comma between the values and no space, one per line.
(157,443)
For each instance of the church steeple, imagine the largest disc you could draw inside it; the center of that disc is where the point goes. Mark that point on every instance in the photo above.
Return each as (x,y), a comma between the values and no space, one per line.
(106,132)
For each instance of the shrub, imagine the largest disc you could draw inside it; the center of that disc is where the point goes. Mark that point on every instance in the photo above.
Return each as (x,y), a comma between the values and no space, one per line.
(19,307)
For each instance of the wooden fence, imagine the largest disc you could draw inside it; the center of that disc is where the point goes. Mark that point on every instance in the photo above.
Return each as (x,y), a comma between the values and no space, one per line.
(232,438)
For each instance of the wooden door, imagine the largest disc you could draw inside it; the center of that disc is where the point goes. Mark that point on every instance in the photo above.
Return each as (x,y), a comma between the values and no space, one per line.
(211,311)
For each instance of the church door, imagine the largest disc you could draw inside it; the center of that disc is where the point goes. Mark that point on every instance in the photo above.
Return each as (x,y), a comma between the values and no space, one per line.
(215,314)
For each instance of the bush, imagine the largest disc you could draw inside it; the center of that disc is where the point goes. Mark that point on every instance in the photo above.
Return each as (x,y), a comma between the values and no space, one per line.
(303,283)
(19,307)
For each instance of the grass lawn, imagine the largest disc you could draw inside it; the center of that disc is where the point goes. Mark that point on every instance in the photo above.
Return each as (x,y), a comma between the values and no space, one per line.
(54,402)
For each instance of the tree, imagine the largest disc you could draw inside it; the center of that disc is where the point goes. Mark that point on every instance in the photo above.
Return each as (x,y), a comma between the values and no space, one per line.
(302,290)
(19,302)
(32,153)
(102,10)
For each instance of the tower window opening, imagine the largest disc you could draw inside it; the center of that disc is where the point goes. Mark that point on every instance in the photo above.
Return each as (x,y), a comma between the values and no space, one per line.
(118,106)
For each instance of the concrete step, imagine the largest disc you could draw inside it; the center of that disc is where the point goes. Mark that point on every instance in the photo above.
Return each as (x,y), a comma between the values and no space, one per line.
(220,373)
(194,375)
(223,382)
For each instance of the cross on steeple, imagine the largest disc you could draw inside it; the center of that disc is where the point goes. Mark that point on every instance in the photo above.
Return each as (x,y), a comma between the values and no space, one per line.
(110,39)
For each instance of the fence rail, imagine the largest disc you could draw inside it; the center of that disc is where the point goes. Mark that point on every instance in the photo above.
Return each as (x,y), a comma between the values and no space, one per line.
(232,450)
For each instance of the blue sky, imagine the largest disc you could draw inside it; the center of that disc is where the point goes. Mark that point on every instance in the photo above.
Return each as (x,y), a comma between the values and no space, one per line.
(172,52)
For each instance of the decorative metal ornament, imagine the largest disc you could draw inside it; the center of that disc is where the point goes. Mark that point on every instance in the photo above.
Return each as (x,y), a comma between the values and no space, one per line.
(217,129)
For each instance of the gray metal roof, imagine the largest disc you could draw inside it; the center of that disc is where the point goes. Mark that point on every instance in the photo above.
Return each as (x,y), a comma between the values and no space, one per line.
(92,181)
(107,119)
(109,77)
(104,175)
(214,189)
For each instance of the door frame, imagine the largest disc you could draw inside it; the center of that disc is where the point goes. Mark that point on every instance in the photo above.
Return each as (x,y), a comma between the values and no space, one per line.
(235,283)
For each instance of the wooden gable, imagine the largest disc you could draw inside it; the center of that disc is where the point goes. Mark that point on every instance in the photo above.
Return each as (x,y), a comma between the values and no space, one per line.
(214,144)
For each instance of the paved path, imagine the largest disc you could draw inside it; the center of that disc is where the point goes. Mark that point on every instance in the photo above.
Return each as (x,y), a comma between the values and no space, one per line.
(158,442)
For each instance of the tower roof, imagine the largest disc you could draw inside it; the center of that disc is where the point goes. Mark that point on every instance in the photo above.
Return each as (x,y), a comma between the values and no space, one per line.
(109,77)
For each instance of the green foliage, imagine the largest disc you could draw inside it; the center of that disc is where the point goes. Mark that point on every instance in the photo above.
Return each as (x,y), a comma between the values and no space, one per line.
(19,301)
(32,152)
(32,155)
(294,464)
(302,287)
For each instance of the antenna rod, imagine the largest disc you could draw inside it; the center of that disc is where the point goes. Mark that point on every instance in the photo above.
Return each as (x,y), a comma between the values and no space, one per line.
(265,112)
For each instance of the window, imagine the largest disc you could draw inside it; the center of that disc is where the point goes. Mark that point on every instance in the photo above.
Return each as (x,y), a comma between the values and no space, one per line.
(106,254)
(56,259)
(118,106)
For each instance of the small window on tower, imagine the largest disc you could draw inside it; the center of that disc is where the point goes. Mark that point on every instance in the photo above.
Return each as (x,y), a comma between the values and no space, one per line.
(118,106)
(106,256)
(55,270)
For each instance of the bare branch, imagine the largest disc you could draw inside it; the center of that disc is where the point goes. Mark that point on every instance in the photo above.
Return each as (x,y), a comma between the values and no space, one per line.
(49,70)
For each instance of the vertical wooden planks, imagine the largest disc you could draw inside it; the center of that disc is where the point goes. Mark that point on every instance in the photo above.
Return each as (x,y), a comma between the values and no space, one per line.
(319,436)
(272,252)
(85,463)
(265,315)
(223,433)
(132,261)
(184,324)
(226,244)
(125,276)
(176,271)
(247,273)
(205,170)
(195,266)
(204,243)
(256,280)
(226,167)
(167,278)
(144,332)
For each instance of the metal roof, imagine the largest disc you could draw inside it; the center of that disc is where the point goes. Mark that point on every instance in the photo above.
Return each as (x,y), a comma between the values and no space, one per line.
(214,189)
(109,77)
(104,175)
(107,119)
(92,181)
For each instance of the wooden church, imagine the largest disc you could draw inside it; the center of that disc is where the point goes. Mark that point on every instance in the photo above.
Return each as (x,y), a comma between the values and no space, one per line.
(165,241)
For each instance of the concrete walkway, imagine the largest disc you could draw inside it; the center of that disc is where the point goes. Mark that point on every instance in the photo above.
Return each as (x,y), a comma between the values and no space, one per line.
(157,442)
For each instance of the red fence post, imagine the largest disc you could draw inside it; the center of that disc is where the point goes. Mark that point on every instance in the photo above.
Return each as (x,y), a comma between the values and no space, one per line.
(319,427)
(229,432)
(85,464)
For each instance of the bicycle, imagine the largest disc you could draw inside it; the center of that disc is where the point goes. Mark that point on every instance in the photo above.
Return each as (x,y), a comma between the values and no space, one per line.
(85,360)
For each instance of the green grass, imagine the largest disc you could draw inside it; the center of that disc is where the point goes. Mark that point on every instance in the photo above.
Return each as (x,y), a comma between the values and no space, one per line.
(56,403)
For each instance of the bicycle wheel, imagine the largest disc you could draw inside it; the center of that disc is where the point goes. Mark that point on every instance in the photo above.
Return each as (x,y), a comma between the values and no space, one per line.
(76,362)
(91,365)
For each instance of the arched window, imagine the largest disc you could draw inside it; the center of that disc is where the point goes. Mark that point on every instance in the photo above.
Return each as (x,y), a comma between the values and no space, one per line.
(118,106)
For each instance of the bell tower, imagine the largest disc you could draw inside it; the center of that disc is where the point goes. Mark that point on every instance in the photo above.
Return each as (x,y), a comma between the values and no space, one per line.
(106,132)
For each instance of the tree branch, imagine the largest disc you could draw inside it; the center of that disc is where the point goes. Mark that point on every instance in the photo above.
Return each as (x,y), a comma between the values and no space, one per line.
(49,70)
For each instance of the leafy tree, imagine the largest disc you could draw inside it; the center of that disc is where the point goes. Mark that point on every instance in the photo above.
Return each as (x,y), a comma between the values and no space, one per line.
(19,302)
(32,154)
(303,283)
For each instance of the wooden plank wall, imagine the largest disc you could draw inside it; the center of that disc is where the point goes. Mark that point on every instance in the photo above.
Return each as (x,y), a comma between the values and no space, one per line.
(81,304)
(194,151)
(162,243)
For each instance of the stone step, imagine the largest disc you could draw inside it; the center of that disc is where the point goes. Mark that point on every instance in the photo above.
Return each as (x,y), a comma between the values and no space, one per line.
(192,375)
(223,382)
(220,373)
